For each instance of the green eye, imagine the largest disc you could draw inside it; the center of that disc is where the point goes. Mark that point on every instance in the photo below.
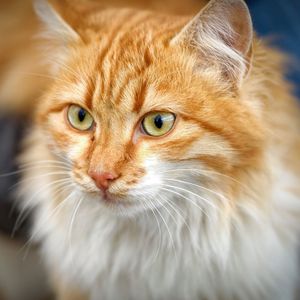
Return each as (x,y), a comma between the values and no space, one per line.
(79,118)
(158,123)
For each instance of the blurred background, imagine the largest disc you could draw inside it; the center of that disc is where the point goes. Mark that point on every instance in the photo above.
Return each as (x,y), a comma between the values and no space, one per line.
(21,272)
(280,21)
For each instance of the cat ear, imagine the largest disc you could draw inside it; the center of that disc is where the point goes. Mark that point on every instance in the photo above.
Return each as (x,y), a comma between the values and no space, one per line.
(57,33)
(222,36)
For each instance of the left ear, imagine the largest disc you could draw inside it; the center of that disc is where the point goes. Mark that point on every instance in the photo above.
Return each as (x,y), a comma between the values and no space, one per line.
(221,34)
(57,34)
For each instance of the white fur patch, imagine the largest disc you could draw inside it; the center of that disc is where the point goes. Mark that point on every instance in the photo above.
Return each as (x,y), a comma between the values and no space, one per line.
(183,246)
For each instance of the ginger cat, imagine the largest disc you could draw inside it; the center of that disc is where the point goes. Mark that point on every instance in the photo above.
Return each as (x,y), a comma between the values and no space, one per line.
(163,162)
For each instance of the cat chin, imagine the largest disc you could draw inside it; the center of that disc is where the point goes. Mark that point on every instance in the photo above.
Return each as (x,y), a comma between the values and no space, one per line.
(125,206)
(113,204)
(122,210)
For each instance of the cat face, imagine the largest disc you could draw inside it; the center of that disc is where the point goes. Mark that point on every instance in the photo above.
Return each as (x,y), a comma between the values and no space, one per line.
(141,116)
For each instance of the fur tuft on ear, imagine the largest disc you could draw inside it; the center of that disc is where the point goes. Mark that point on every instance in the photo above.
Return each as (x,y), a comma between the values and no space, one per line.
(56,27)
(222,36)
(57,34)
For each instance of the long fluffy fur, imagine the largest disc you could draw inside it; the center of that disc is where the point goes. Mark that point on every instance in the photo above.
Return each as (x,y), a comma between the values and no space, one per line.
(233,237)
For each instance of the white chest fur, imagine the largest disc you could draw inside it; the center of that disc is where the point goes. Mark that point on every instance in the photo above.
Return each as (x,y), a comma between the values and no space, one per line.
(175,252)
(172,255)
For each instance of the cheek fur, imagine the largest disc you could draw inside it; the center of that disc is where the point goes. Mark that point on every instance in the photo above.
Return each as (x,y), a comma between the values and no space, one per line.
(75,145)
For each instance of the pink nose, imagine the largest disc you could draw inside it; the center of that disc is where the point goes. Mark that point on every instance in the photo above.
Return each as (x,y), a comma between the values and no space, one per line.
(102,179)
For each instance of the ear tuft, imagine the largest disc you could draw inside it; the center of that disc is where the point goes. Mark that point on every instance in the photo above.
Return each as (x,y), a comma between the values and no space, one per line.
(222,35)
(57,35)
(55,26)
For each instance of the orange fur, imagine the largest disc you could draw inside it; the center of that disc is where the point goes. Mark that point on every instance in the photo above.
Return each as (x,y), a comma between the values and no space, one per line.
(110,56)
(121,70)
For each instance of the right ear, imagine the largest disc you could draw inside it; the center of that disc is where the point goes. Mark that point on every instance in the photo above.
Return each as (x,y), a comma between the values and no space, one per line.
(57,34)
(221,35)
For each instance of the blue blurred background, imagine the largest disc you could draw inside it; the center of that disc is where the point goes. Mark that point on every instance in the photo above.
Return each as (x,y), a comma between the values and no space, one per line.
(281,20)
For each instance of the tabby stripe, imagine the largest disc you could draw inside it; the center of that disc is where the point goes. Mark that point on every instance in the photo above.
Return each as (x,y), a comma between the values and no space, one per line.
(120,38)
(120,93)
(218,131)
(90,92)
(103,54)
(140,97)
(139,72)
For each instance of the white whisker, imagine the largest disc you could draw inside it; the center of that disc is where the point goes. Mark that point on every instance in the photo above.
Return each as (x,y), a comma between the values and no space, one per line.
(167,227)
(26,210)
(160,236)
(192,193)
(38,162)
(38,230)
(188,199)
(222,197)
(72,224)
(23,169)
(207,173)
(30,179)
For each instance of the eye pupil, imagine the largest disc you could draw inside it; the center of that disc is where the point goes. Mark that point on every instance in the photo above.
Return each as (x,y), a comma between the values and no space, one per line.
(81,115)
(157,124)
(158,121)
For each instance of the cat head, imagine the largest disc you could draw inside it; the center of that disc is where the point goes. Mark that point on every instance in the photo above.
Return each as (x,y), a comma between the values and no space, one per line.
(147,107)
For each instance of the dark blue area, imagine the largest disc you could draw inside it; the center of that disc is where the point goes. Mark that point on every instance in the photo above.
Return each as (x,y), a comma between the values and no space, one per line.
(11,133)
(280,19)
